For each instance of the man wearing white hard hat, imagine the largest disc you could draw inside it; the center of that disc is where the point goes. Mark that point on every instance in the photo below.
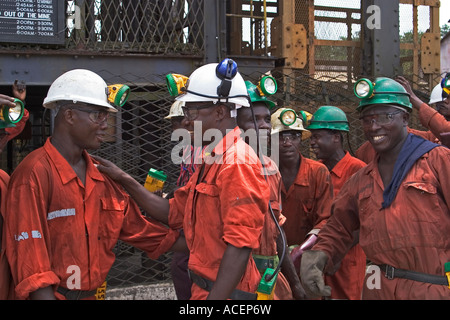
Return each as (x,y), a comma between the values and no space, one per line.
(221,209)
(63,216)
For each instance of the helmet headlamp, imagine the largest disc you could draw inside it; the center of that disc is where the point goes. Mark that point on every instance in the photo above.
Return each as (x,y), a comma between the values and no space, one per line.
(288,117)
(12,114)
(267,86)
(118,94)
(363,88)
(176,83)
(306,117)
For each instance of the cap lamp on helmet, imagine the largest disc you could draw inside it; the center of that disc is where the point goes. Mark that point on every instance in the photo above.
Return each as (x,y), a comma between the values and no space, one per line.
(382,90)
(306,117)
(9,116)
(256,92)
(176,83)
(287,115)
(118,94)
(267,86)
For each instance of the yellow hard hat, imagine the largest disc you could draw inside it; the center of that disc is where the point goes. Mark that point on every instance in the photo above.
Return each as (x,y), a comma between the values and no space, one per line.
(297,123)
(176,110)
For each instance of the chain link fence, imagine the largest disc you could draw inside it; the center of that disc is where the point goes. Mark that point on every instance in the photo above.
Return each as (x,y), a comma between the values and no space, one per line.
(139,138)
(156,26)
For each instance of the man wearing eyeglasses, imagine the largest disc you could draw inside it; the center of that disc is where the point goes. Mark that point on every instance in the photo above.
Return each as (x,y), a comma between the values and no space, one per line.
(399,204)
(436,120)
(222,207)
(64,217)
(306,187)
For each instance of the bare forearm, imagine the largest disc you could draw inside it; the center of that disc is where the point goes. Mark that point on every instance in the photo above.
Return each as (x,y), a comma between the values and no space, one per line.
(232,267)
(43,294)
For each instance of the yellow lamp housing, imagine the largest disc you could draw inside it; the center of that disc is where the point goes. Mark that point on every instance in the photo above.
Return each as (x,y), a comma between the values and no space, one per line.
(176,83)
(306,117)
(118,94)
(12,114)
(363,88)
(267,86)
(288,117)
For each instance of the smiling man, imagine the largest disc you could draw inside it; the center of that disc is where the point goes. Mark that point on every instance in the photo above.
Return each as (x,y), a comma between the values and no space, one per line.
(328,126)
(436,120)
(398,202)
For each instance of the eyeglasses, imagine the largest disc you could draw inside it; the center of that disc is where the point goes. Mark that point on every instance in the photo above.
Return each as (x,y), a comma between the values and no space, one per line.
(191,113)
(96,116)
(379,118)
(289,136)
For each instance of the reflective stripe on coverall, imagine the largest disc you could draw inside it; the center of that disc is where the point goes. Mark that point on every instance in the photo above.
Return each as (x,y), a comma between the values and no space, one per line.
(59,229)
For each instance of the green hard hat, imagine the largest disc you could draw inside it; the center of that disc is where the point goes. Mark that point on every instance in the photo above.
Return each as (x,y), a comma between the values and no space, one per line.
(381,91)
(255,95)
(329,117)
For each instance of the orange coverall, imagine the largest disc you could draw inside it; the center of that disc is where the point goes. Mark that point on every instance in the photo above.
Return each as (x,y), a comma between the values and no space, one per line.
(270,232)
(347,282)
(306,205)
(412,233)
(6,288)
(6,282)
(59,231)
(225,205)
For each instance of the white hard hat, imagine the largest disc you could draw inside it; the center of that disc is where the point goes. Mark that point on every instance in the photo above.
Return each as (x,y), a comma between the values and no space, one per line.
(203,86)
(176,110)
(278,126)
(78,85)
(436,94)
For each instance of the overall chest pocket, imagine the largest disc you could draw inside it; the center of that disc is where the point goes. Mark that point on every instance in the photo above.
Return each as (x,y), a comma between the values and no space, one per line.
(207,205)
(111,217)
(425,196)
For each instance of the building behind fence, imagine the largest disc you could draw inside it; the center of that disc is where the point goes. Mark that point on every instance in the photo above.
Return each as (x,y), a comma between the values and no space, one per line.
(315,50)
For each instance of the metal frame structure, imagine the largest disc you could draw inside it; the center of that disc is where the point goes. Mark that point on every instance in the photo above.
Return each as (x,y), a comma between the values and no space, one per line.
(316,51)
